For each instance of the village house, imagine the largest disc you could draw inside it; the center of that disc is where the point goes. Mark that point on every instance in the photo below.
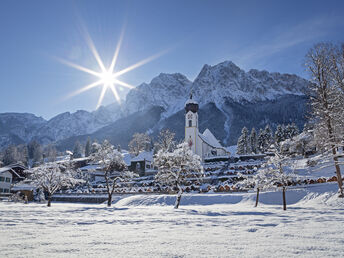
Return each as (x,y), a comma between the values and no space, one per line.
(5,181)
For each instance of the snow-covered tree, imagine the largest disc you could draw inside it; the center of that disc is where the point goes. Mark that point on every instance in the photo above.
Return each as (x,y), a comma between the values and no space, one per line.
(35,152)
(291,130)
(327,98)
(243,142)
(10,155)
(139,142)
(52,177)
(263,179)
(77,151)
(271,176)
(279,134)
(253,142)
(177,168)
(268,137)
(115,169)
(88,147)
(165,141)
(50,153)
(261,141)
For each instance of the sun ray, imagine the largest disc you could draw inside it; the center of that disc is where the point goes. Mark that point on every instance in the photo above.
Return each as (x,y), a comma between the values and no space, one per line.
(124,84)
(86,88)
(107,76)
(115,93)
(79,67)
(101,97)
(93,49)
(140,63)
(114,59)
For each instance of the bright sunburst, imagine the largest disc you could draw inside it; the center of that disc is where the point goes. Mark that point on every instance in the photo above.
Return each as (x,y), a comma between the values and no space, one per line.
(107,78)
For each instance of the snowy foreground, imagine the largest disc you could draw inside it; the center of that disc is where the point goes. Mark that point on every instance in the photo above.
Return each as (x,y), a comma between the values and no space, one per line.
(206,225)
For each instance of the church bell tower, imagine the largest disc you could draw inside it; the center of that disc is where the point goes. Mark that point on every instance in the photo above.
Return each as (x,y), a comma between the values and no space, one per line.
(191,124)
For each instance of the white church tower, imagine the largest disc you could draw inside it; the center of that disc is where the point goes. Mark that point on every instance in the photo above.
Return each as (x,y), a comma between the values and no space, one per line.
(191,126)
(204,145)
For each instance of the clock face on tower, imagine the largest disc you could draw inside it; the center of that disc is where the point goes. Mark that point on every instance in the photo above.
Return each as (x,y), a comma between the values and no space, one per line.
(189,116)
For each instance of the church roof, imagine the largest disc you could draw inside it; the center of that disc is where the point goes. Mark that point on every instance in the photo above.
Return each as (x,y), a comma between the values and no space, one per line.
(191,101)
(210,139)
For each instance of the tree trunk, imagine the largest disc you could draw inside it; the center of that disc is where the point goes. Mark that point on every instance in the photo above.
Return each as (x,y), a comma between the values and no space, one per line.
(109,200)
(49,200)
(179,197)
(257,198)
(339,175)
(284,200)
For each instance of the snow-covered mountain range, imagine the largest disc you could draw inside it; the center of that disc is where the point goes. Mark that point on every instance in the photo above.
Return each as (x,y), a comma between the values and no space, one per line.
(229,98)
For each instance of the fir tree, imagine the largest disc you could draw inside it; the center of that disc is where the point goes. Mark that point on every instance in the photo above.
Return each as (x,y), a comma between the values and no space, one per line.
(268,140)
(243,141)
(77,151)
(253,141)
(279,134)
(261,141)
(88,147)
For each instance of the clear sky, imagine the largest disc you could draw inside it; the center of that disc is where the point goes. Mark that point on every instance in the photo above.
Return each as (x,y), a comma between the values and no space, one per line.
(267,35)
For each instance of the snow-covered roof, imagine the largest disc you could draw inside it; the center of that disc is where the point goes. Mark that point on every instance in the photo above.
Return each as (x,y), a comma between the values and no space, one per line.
(210,139)
(145,155)
(91,167)
(126,158)
(191,101)
(23,187)
(4,169)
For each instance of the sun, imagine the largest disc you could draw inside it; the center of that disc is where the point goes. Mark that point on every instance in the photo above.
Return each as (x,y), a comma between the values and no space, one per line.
(107,78)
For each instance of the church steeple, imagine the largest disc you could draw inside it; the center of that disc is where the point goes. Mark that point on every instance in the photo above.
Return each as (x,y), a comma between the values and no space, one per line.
(191,105)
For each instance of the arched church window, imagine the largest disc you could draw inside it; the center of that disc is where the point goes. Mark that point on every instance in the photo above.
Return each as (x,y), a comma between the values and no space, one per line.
(190,123)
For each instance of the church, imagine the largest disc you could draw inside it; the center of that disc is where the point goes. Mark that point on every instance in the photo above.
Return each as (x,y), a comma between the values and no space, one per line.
(205,145)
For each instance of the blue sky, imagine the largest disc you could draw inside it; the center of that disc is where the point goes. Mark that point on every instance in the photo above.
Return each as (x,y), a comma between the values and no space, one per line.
(266,35)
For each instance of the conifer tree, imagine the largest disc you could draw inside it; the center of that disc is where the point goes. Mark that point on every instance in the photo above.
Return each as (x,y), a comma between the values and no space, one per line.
(242,146)
(88,147)
(77,151)
(261,141)
(279,134)
(253,141)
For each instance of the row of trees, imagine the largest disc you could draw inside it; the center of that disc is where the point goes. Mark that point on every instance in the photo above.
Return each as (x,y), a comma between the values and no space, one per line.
(176,165)
(271,176)
(253,143)
(25,153)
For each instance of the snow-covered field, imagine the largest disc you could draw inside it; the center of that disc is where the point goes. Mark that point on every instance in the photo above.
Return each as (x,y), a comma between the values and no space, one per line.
(206,225)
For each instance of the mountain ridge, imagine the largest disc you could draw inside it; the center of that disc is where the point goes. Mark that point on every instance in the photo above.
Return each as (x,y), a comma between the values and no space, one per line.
(225,85)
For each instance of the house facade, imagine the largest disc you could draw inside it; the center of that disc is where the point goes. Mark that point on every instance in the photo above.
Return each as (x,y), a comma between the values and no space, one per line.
(5,181)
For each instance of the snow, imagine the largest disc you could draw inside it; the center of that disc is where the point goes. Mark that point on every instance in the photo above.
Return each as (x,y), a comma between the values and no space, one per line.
(144,155)
(210,139)
(205,225)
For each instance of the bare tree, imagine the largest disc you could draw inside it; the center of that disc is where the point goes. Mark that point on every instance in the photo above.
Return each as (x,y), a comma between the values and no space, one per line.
(165,141)
(115,169)
(326,98)
(178,167)
(140,142)
(52,177)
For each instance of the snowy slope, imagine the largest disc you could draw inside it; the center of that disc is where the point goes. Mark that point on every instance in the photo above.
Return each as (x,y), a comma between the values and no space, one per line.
(226,80)
(166,90)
